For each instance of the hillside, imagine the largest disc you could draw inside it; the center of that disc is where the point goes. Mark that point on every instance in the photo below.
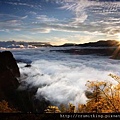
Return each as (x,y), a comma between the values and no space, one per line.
(100,43)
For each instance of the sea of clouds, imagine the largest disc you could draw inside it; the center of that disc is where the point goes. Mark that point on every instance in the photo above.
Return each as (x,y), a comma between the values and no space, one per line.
(61,77)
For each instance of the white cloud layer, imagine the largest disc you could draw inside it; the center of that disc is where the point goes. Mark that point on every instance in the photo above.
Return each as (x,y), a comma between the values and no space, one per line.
(61,77)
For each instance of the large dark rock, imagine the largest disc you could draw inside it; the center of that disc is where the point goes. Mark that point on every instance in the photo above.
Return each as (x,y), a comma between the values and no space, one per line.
(22,100)
(8,72)
(7,61)
(28,65)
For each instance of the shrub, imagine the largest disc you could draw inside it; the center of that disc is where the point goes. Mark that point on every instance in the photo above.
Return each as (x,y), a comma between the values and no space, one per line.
(103,97)
(4,108)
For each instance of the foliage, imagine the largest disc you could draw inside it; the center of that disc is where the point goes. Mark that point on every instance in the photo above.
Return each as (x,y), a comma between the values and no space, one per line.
(106,97)
(4,108)
(103,97)
(52,109)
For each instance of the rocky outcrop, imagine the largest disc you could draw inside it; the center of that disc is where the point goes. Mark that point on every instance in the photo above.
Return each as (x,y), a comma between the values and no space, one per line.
(7,61)
(22,100)
(28,65)
(9,72)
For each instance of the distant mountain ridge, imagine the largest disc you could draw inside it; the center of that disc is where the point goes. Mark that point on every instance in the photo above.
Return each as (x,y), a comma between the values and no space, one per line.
(100,43)
(23,44)
(20,44)
(102,48)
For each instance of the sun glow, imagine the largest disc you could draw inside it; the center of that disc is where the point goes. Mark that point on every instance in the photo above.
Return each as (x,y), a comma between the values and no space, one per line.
(118,36)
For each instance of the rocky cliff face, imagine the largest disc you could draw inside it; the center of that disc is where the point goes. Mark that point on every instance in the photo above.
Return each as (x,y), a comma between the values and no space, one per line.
(23,100)
(9,72)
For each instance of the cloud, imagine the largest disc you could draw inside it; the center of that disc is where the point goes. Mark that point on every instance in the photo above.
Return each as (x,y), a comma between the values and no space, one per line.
(61,77)
(21,37)
(101,12)
(33,13)
(93,5)
(79,39)
(58,40)
(79,19)
(76,38)
(24,17)
(68,27)
(19,4)
(11,24)
(78,7)
(40,30)
(7,17)
(31,4)
(45,18)
(112,30)
(88,16)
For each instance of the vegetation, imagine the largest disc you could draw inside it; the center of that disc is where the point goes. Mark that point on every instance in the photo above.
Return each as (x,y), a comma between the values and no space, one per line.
(52,109)
(103,97)
(4,108)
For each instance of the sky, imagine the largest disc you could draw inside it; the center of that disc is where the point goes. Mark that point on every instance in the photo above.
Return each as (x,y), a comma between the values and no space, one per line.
(59,21)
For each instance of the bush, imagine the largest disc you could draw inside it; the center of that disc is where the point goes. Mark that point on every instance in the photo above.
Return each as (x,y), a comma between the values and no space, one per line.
(103,97)
(4,108)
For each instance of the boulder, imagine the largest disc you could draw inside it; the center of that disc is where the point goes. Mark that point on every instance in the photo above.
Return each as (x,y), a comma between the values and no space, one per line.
(22,100)
(8,72)
(8,61)
(28,65)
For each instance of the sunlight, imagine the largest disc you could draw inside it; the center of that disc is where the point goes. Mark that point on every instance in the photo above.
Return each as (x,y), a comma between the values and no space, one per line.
(116,53)
(118,37)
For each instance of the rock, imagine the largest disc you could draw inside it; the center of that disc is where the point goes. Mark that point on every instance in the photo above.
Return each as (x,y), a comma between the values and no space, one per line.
(8,72)
(8,60)
(28,65)
(8,81)
(41,104)
(26,100)
(23,100)
(89,94)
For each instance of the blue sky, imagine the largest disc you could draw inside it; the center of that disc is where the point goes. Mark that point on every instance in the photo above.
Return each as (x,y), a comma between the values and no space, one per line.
(59,21)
